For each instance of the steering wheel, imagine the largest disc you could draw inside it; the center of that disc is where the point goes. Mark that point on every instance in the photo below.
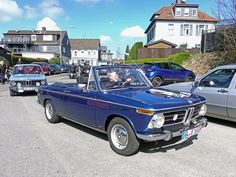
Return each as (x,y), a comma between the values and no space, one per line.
(128,80)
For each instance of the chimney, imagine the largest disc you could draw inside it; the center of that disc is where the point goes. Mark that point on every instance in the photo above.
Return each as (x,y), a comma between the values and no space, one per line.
(43,29)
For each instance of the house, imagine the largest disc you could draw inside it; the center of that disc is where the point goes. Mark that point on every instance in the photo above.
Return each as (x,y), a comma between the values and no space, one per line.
(83,50)
(179,24)
(38,44)
(106,55)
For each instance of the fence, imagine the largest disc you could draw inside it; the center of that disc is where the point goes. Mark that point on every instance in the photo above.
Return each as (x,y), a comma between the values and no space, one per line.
(162,53)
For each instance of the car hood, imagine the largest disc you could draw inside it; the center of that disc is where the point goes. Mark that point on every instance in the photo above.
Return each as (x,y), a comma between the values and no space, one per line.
(22,77)
(184,86)
(157,98)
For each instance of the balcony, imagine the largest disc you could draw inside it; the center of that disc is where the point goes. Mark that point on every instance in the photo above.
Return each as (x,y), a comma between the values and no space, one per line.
(23,41)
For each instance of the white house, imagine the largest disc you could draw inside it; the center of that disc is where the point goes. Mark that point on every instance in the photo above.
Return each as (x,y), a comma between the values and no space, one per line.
(83,50)
(179,24)
(106,55)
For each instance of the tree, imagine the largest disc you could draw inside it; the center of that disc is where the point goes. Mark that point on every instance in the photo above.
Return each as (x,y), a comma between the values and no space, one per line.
(133,53)
(126,52)
(226,13)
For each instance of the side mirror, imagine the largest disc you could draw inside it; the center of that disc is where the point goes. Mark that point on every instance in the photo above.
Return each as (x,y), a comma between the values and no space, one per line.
(196,83)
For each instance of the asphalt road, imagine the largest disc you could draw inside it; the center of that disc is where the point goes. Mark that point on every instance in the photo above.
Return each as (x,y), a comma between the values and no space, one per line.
(32,147)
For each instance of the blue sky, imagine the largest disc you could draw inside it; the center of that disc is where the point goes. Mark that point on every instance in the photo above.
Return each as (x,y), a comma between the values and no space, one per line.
(105,19)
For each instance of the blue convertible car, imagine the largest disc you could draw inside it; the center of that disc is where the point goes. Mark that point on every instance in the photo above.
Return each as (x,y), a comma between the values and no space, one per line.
(121,102)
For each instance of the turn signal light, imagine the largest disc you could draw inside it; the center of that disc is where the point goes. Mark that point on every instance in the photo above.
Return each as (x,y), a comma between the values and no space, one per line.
(146,112)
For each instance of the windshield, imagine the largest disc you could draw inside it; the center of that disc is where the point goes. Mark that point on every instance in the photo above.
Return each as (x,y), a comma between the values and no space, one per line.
(121,77)
(27,70)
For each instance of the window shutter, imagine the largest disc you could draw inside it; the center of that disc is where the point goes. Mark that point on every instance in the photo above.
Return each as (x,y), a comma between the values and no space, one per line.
(196,30)
(181,30)
(191,30)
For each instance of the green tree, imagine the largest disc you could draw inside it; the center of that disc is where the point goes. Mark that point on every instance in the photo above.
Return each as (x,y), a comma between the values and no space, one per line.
(126,52)
(54,61)
(133,53)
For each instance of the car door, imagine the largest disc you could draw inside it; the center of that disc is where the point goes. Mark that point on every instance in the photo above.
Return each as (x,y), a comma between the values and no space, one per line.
(165,71)
(215,88)
(80,104)
(231,103)
(178,72)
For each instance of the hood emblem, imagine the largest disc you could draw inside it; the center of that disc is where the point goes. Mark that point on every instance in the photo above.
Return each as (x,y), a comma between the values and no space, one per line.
(175,117)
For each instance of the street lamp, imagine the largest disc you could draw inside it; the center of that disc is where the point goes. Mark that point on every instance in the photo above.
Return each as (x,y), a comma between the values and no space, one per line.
(71,27)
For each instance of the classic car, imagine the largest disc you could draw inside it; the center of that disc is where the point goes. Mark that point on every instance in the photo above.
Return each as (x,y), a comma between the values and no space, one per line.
(218,86)
(126,109)
(25,78)
(45,67)
(167,72)
(55,69)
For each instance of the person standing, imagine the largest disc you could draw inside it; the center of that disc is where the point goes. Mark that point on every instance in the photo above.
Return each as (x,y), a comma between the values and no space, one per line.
(3,71)
(19,61)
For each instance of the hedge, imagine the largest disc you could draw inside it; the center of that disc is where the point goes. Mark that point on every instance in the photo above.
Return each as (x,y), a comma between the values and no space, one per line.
(133,53)
(24,60)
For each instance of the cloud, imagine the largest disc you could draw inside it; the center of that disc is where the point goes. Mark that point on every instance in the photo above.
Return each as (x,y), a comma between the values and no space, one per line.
(92,1)
(48,23)
(105,38)
(51,8)
(133,32)
(9,10)
(30,12)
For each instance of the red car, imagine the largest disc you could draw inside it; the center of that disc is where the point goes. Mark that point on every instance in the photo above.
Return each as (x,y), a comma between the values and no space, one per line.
(45,67)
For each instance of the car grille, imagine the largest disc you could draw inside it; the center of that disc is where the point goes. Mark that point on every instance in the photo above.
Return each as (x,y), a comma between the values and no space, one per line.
(28,83)
(182,116)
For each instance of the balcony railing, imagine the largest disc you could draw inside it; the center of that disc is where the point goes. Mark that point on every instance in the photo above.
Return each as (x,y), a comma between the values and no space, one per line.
(16,41)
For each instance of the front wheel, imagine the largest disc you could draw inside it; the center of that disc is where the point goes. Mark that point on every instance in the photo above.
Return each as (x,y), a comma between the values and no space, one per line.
(189,79)
(50,112)
(157,81)
(12,93)
(122,137)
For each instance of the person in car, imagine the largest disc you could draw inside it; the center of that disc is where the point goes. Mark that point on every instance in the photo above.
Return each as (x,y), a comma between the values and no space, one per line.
(115,81)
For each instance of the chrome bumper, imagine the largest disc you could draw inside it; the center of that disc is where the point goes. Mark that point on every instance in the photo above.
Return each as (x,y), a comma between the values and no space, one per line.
(25,89)
(167,135)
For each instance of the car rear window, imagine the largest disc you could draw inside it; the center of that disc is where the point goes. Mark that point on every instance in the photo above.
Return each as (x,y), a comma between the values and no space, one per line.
(163,65)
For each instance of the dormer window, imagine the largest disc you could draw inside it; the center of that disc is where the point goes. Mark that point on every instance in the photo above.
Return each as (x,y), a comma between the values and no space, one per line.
(186,12)
(178,12)
(194,12)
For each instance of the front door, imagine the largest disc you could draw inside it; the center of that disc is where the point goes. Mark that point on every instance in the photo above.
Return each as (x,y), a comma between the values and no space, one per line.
(215,88)
(178,72)
(231,104)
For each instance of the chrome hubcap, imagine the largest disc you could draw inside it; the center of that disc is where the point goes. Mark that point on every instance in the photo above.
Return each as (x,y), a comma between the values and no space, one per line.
(119,137)
(157,82)
(49,111)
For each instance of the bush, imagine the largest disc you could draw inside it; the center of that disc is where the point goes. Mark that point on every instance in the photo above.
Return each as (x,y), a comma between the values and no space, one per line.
(24,60)
(133,53)
(179,58)
(54,61)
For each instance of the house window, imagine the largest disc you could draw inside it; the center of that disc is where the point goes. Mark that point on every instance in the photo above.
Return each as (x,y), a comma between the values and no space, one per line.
(33,38)
(178,12)
(194,12)
(199,29)
(82,51)
(75,53)
(64,50)
(170,29)
(151,34)
(186,30)
(89,52)
(186,12)
(47,38)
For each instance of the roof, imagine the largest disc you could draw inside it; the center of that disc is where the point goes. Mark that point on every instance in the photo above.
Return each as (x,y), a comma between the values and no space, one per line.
(167,14)
(85,44)
(161,41)
(34,32)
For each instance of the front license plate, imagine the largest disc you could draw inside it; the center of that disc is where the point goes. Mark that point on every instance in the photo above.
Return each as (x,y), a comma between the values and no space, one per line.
(188,133)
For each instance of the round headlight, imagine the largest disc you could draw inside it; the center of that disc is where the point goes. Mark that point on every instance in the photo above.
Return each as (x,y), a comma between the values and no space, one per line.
(18,84)
(43,82)
(203,110)
(13,83)
(37,84)
(157,121)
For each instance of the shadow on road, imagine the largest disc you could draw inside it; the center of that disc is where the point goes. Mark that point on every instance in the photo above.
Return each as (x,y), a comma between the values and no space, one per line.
(86,130)
(221,122)
(26,94)
(164,146)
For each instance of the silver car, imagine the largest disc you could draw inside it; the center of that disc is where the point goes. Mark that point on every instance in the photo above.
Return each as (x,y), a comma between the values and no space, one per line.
(218,86)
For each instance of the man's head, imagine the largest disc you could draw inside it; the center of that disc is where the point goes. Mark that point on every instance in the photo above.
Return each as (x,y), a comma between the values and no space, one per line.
(113,76)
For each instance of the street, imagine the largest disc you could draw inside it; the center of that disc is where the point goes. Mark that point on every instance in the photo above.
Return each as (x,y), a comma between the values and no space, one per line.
(32,147)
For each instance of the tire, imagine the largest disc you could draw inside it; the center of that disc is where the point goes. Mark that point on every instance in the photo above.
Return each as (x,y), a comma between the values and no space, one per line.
(126,145)
(157,81)
(189,79)
(50,112)
(12,93)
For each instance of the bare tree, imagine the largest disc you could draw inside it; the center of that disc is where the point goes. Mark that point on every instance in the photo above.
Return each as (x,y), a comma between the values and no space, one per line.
(226,13)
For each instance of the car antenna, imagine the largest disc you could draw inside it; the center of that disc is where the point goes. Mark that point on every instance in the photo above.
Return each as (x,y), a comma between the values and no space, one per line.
(127,54)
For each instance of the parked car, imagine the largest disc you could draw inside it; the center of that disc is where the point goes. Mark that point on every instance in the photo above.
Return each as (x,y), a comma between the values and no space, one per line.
(218,87)
(167,72)
(64,68)
(131,111)
(55,69)
(25,78)
(45,66)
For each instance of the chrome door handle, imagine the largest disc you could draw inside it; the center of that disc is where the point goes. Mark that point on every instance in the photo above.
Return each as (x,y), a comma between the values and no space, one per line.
(66,91)
(223,91)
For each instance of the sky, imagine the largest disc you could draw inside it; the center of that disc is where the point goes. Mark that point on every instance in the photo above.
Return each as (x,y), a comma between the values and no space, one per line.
(117,23)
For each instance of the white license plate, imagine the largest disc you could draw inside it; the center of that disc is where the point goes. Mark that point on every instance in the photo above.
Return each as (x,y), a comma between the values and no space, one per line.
(188,133)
